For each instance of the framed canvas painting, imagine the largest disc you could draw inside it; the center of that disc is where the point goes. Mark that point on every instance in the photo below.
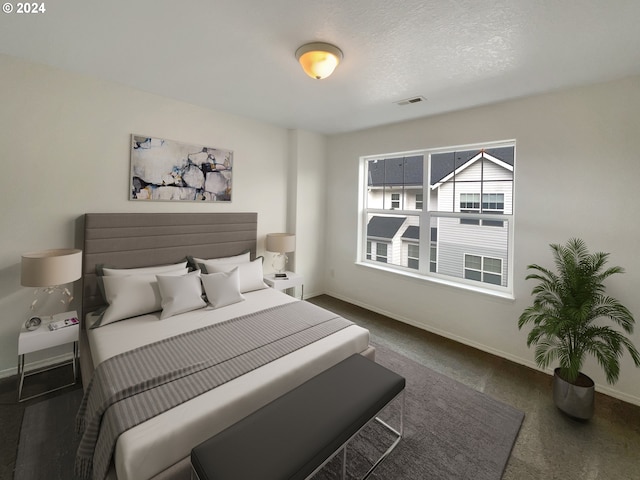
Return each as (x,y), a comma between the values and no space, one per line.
(173,171)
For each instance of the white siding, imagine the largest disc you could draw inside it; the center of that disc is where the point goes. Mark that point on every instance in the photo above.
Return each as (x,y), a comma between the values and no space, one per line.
(494,176)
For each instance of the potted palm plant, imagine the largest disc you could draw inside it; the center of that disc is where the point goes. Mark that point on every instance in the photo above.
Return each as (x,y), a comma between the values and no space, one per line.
(567,314)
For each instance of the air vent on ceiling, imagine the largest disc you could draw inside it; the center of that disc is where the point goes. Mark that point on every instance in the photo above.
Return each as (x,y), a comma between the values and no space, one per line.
(411,100)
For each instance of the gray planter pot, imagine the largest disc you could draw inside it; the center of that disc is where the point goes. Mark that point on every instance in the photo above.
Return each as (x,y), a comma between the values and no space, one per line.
(576,401)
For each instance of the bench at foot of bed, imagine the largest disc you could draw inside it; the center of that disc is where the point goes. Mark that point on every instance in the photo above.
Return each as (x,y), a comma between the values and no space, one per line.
(294,436)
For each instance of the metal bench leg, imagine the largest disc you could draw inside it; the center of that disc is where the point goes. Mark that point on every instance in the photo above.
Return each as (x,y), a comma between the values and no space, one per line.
(399,433)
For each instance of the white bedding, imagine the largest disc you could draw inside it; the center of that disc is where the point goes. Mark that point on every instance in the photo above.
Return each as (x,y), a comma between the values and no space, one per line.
(151,447)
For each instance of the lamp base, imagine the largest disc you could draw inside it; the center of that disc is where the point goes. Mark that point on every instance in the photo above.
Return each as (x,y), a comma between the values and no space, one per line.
(33,323)
(279,262)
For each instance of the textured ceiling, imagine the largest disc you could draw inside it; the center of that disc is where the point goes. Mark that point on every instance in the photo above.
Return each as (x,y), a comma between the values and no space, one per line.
(238,55)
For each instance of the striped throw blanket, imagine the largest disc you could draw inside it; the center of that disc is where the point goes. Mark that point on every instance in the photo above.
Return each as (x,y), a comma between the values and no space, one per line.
(137,385)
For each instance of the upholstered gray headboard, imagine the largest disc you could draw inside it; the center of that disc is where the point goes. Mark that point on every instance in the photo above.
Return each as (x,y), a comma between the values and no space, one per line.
(128,240)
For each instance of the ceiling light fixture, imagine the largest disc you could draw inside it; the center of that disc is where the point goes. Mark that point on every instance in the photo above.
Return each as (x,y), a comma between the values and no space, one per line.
(319,59)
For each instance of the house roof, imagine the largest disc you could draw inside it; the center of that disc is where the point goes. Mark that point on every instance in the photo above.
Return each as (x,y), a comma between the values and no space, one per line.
(384,227)
(408,171)
(444,164)
(412,233)
(405,171)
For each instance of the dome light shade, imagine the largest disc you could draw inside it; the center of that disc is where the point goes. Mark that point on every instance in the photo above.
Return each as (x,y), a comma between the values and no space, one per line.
(318,59)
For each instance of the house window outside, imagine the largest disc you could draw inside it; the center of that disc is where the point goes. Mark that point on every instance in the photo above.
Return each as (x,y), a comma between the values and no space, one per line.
(381,252)
(469,202)
(466,190)
(483,269)
(491,203)
(433,258)
(413,256)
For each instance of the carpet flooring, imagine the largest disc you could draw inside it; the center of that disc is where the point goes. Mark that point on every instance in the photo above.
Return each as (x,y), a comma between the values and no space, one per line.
(48,442)
(451,432)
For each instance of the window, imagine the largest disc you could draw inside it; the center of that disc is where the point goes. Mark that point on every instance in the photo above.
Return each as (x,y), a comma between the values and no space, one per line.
(444,214)
(483,269)
(381,252)
(469,202)
(491,202)
(433,258)
(413,256)
(418,201)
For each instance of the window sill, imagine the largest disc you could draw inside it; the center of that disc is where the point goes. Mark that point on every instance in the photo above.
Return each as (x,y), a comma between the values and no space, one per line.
(440,281)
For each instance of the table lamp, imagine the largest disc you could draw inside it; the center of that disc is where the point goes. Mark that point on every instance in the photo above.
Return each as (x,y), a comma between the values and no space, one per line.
(281,244)
(49,271)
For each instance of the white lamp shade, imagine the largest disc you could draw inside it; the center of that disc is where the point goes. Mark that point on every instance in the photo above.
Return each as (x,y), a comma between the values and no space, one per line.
(48,268)
(281,242)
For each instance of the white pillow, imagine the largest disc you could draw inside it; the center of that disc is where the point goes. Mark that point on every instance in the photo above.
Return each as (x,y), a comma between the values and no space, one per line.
(222,288)
(112,272)
(242,258)
(250,273)
(131,295)
(180,294)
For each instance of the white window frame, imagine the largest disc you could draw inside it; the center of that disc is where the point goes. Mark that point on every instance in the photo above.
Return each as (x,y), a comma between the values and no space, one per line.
(425,215)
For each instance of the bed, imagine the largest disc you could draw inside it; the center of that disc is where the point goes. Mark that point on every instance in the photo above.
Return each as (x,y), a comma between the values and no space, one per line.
(159,447)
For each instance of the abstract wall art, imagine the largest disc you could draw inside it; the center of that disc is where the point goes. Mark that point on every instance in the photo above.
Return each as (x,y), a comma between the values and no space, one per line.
(173,171)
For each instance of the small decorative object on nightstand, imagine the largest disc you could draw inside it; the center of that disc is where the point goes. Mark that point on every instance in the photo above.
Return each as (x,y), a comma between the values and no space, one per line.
(291,280)
(64,328)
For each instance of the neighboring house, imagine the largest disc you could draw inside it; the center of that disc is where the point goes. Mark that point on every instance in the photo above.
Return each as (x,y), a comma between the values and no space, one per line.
(474,182)
(393,240)
(471,248)
(396,183)
(383,240)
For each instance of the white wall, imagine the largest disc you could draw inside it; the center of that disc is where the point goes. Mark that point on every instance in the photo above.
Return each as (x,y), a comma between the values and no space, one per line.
(64,150)
(577,171)
(306,207)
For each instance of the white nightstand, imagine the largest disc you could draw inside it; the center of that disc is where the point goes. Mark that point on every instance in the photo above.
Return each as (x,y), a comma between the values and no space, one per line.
(292,280)
(43,338)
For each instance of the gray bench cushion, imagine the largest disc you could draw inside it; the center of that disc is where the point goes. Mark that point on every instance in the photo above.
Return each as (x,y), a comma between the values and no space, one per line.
(293,435)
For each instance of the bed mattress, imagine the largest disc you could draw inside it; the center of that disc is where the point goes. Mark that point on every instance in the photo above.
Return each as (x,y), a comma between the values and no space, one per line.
(149,448)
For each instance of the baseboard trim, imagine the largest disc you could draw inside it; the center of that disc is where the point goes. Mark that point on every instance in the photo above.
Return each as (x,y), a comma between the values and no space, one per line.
(498,353)
(37,365)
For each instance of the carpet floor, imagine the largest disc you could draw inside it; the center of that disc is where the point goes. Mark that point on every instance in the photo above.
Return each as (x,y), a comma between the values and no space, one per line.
(48,441)
(451,432)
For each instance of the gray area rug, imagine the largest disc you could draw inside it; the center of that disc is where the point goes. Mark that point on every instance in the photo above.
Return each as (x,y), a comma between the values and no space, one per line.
(452,432)
(48,442)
